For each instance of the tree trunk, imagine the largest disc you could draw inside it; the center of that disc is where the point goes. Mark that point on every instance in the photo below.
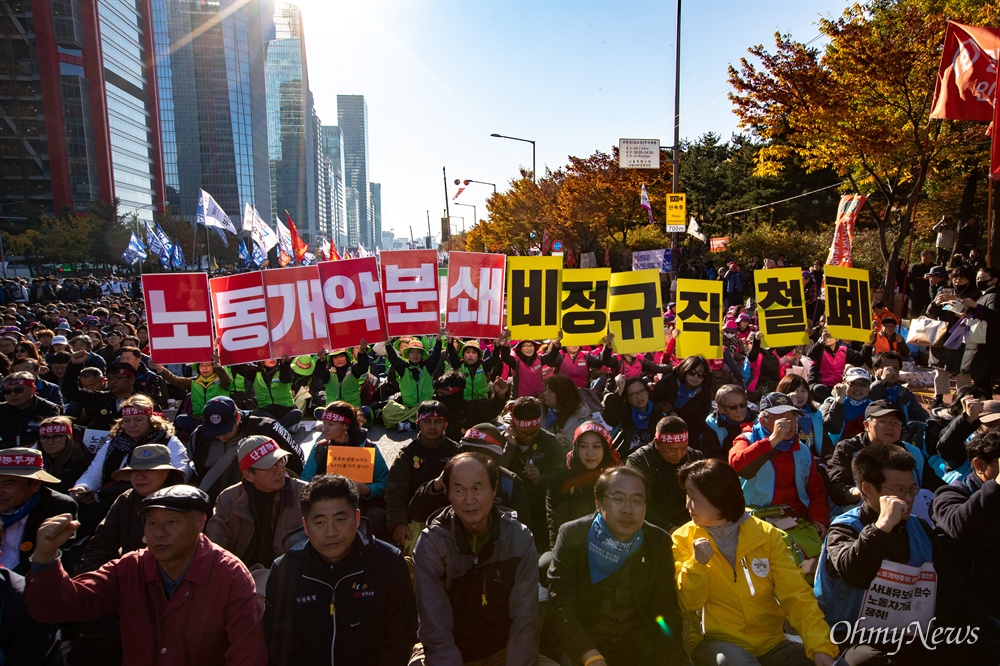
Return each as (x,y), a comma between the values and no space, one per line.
(967,208)
(993,251)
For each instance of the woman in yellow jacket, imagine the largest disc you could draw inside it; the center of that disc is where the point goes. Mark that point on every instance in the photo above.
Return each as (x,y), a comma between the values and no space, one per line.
(738,572)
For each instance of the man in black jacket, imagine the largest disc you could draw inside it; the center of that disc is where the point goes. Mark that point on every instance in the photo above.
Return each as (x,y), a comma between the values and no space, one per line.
(612,581)
(102,406)
(23,411)
(659,461)
(344,597)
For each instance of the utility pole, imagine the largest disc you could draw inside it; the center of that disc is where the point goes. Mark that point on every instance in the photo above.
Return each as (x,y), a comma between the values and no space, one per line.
(675,176)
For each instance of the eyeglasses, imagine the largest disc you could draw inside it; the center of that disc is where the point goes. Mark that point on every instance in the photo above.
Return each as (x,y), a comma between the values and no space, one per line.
(739,405)
(889,423)
(636,394)
(14,391)
(276,467)
(50,438)
(621,500)
(901,492)
(697,373)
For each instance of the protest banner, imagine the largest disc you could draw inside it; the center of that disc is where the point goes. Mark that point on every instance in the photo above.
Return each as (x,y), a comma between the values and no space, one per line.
(848,303)
(357,463)
(475,295)
(842,246)
(241,318)
(534,293)
(588,260)
(584,319)
(718,243)
(352,296)
(699,318)
(636,311)
(410,292)
(781,307)
(658,259)
(177,306)
(296,315)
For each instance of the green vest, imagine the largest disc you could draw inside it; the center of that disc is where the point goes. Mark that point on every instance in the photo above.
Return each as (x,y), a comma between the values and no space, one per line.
(200,394)
(349,391)
(415,392)
(475,387)
(278,393)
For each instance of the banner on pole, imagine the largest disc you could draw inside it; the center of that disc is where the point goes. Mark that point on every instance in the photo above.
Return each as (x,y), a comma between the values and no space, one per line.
(699,318)
(177,305)
(843,233)
(636,311)
(645,259)
(241,318)
(475,295)
(967,76)
(410,291)
(296,315)
(781,307)
(534,293)
(584,319)
(848,303)
(352,294)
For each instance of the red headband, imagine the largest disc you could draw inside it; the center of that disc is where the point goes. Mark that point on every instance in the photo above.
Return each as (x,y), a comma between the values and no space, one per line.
(132,410)
(334,417)
(591,426)
(21,460)
(672,438)
(532,423)
(432,414)
(479,435)
(55,429)
(19,381)
(249,459)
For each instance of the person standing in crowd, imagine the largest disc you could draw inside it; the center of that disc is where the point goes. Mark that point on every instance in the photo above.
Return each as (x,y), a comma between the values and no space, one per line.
(344,572)
(916,283)
(613,597)
(659,461)
(476,574)
(944,243)
(981,360)
(23,412)
(947,363)
(187,600)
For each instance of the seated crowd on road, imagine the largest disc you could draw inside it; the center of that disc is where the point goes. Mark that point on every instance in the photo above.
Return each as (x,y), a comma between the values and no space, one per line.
(550,504)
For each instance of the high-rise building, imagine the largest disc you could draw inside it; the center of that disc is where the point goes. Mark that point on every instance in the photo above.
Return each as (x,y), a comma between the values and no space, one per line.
(353,217)
(352,118)
(376,198)
(210,69)
(290,121)
(333,141)
(80,111)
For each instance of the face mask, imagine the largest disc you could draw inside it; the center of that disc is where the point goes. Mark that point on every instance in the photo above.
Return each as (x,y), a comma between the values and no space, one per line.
(983,285)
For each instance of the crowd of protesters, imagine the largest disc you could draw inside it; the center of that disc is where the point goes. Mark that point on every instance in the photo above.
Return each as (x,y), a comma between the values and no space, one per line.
(551,504)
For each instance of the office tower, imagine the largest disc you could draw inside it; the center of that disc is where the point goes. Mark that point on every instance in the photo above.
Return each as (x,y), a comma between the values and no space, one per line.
(376,200)
(352,118)
(336,195)
(353,217)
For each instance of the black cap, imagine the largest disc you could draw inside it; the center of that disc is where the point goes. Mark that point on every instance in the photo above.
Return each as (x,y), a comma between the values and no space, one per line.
(177,498)
(881,408)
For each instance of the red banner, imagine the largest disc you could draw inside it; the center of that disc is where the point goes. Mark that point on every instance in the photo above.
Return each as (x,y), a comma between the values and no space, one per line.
(718,243)
(475,295)
(241,318)
(352,294)
(843,233)
(295,311)
(967,79)
(180,325)
(410,291)
(995,146)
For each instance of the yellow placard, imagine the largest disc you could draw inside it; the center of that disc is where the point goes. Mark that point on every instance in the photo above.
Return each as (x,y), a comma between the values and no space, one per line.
(848,303)
(584,308)
(676,208)
(636,311)
(781,307)
(699,318)
(534,293)
(357,463)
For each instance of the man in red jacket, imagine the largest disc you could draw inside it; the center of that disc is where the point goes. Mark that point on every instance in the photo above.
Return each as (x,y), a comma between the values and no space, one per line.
(183,599)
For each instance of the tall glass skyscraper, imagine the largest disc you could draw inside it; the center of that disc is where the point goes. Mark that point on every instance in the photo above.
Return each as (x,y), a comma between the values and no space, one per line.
(290,121)
(352,118)
(333,141)
(376,197)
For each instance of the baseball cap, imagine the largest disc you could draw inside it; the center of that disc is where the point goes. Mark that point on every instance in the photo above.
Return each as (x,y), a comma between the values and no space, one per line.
(777,403)
(219,416)
(854,374)
(882,407)
(181,498)
(259,452)
(121,368)
(991,411)
(484,438)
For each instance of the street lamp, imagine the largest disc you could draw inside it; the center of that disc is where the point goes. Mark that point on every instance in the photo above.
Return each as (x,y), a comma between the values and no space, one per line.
(457,217)
(534,177)
(469,180)
(475,218)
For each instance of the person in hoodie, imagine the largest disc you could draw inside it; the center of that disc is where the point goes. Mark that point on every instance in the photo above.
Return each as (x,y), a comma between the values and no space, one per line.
(344,596)
(525,367)
(476,574)
(416,382)
(887,366)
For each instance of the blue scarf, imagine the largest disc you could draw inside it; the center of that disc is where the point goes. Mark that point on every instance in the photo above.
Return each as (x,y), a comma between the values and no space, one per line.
(892,393)
(806,421)
(550,418)
(8,519)
(761,432)
(641,419)
(684,394)
(606,554)
(854,408)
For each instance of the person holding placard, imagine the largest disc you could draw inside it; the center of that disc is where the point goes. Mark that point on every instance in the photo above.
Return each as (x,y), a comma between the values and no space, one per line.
(416,382)
(342,428)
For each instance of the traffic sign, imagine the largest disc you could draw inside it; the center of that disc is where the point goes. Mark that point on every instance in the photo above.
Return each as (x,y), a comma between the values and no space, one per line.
(557,246)
(676,213)
(638,153)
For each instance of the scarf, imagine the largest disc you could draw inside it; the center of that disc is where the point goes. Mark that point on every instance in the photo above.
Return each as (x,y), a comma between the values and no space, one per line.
(684,394)
(125,444)
(892,393)
(8,519)
(606,554)
(641,418)
(854,408)
(551,416)
(761,433)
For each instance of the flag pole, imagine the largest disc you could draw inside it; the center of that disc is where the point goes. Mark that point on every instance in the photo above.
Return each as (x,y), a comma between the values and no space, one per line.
(990,220)
(208,251)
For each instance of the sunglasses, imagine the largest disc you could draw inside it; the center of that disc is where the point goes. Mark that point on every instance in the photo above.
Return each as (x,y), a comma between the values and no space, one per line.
(14,391)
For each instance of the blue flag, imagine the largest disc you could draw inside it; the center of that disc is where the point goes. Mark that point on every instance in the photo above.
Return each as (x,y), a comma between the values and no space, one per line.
(259,258)
(135,251)
(159,244)
(244,255)
(178,257)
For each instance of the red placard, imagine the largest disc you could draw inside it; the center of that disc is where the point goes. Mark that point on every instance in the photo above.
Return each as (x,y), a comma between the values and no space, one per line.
(295,312)
(180,321)
(241,318)
(410,291)
(352,294)
(475,294)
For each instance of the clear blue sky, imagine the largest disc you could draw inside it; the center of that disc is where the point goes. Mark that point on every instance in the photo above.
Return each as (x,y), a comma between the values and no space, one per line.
(440,77)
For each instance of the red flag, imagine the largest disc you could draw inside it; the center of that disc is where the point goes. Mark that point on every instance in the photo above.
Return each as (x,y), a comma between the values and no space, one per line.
(299,248)
(966,84)
(545,242)
(334,255)
(995,148)
(843,232)
(570,258)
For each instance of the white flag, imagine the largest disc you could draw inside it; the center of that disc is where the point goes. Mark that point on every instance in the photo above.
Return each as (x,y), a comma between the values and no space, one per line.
(211,214)
(284,237)
(262,235)
(248,213)
(695,230)
(362,252)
